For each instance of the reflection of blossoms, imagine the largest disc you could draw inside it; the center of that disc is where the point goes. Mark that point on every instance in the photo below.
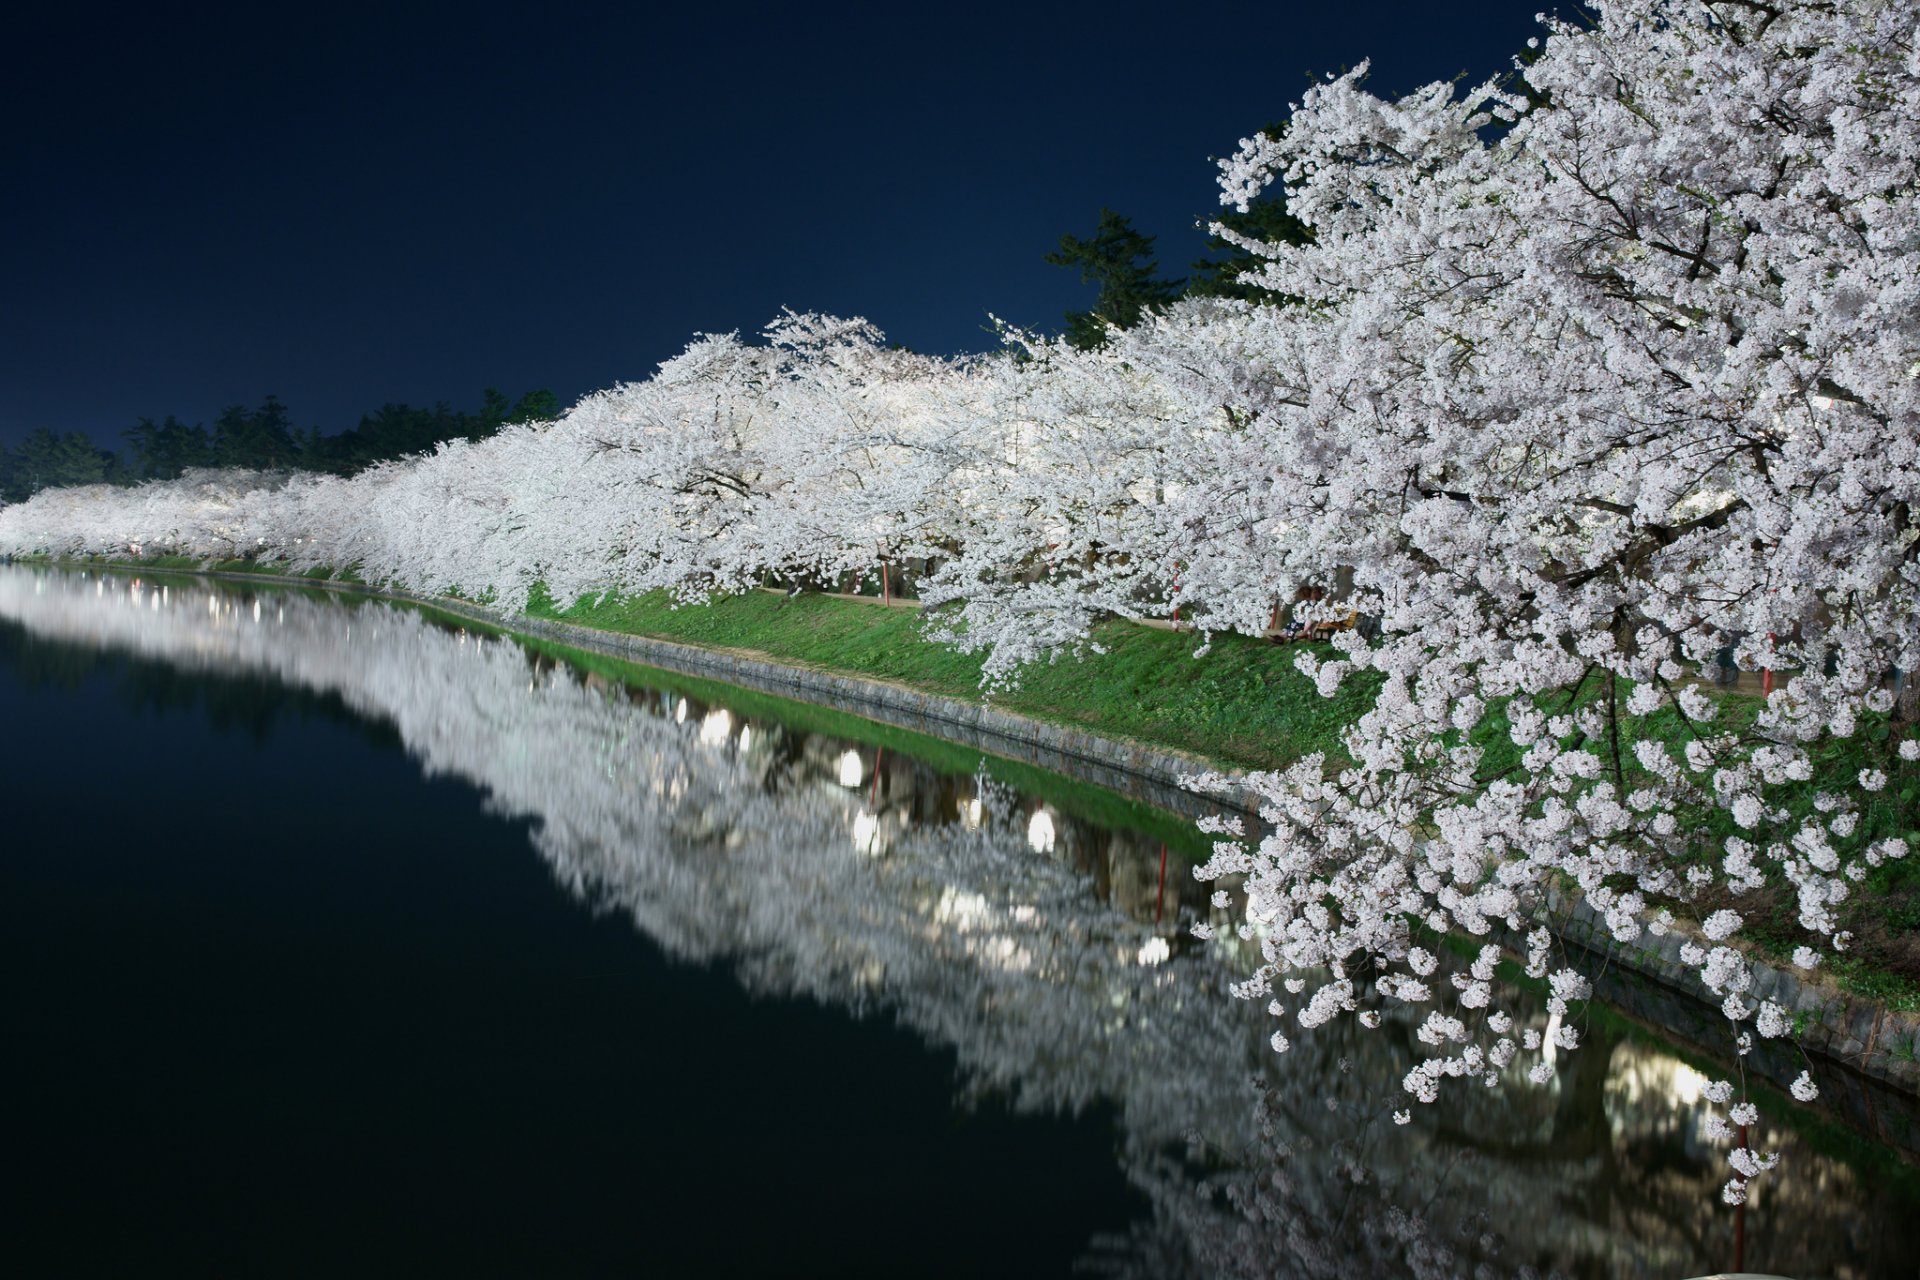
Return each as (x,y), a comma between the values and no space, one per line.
(924,896)
(1280,1205)
(736,842)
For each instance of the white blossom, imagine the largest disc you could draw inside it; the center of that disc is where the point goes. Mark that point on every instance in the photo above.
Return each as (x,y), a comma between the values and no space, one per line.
(1559,411)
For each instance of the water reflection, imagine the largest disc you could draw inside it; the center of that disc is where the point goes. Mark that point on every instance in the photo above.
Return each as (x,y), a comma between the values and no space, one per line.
(1048,953)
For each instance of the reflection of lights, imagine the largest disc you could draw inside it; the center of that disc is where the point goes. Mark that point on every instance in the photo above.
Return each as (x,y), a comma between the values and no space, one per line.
(256,611)
(1648,1093)
(746,736)
(1155,951)
(1689,1086)
(717,726)
(866,832)
(1548,1049)
(969,813)
(1040,833)
(680,712)
(1639,1078)
(961,910)
(852,770)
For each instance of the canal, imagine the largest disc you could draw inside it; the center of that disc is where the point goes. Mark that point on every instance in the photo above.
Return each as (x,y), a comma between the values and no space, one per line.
(341,937)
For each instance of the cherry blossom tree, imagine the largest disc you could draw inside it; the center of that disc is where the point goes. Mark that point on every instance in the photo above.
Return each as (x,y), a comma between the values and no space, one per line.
(1586,377)
(1578,405)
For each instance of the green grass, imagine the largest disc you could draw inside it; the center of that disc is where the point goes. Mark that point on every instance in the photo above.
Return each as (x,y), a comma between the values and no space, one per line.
(249,566)
(268,568)
(187,563)
(1242,704)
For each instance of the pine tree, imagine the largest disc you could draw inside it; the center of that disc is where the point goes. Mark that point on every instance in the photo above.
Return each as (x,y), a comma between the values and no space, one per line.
(1119,260)
(1219,275)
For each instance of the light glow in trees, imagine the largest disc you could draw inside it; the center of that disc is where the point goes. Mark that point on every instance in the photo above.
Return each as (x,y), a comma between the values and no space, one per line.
(1582,380)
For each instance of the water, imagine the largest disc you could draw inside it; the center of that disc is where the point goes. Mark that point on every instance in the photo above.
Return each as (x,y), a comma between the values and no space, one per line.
(340,939)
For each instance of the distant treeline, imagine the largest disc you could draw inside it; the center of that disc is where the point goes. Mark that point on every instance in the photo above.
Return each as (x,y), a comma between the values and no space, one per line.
(1116,259)
(262,438)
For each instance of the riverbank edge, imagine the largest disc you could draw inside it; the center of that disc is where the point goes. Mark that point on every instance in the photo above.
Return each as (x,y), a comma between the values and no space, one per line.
(1855,1032)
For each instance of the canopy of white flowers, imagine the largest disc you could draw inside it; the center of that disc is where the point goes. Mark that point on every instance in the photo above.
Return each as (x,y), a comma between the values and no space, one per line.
(1586,376)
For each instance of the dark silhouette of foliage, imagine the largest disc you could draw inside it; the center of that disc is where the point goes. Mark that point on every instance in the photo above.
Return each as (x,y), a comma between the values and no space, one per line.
(45,460)
(263,439)
(160,452)
(1219,275)
(1120,261)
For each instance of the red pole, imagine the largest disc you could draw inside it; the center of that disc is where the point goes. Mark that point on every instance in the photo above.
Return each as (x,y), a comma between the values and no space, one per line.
(1766,672)
(886,586)
(1740,1222)
(1160,899)
(879,758)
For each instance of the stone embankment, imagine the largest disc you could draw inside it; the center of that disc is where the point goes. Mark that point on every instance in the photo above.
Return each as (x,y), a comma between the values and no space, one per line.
(1862,1034)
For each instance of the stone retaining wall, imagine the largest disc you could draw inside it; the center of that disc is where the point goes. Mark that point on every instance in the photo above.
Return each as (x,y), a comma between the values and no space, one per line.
(1859,1033)
(1149,774)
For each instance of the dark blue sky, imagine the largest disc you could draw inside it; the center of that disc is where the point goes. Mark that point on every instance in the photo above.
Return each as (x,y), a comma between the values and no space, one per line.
(345,207)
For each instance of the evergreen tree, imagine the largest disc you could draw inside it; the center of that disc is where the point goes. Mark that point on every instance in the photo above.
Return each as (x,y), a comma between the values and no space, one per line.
(46,460)
(1219,274)
(262,438)
(535,406)
(1119,260)
(259,438)
(162,452)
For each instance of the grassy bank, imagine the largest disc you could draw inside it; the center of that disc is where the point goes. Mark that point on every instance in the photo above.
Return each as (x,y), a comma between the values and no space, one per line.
(1242,704)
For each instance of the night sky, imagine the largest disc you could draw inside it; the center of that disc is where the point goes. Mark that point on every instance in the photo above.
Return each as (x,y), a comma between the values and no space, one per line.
(409,203)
